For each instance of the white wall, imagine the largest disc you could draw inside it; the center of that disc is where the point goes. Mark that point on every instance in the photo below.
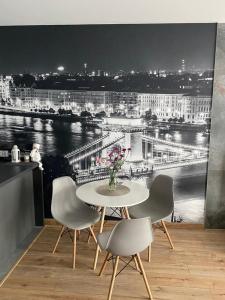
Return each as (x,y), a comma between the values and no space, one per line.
(24,12)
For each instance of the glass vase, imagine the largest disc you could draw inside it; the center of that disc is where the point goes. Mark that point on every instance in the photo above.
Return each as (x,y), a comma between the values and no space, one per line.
(112,181)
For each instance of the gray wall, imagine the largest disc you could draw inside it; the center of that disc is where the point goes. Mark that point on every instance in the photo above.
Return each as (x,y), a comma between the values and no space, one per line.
(16,215)
(215,197)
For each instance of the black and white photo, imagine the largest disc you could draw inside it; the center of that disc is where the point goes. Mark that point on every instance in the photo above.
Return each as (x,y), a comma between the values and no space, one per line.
(79,91)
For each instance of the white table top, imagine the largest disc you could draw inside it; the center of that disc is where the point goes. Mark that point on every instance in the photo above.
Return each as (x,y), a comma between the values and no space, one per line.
(132,193)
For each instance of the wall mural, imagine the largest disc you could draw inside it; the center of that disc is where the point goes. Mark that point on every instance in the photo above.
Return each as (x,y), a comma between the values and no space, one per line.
(81,91)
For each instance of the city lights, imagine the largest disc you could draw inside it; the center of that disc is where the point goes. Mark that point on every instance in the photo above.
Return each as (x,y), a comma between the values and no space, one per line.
(60,68)
(71,93)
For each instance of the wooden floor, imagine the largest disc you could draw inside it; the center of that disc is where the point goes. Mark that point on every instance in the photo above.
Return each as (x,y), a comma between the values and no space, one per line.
(194,270)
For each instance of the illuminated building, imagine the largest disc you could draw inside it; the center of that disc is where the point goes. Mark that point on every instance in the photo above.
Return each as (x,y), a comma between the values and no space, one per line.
(192,108)
(5,87)
(183,66)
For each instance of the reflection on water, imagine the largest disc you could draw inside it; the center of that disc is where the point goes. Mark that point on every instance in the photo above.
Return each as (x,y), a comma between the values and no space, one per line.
(55,137)
(185,137)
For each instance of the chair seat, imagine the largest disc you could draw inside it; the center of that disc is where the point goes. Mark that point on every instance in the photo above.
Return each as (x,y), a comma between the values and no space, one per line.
(103,238)
(139,211)
(80,218)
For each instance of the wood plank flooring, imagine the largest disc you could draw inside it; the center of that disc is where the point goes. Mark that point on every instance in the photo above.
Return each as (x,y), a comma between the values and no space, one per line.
(194,270)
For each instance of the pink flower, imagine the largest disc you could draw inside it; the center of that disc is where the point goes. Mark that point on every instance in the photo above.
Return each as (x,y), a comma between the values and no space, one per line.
(116,149)
(108,163)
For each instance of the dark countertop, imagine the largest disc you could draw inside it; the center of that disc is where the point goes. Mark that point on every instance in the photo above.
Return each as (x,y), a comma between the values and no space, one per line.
(8,170)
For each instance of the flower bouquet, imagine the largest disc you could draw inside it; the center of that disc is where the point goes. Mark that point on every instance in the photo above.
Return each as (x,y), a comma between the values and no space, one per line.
(116,159)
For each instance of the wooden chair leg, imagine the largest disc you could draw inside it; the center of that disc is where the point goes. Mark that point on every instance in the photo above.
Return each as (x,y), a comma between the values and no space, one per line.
(149,253)
(136,263)
(93,235)
(113,278)
(59,236)
(100,231)
(104,264)
(127,213)
(122,213)
(74,247)
(78,234)
(89,235)
(144,276)
(167,234)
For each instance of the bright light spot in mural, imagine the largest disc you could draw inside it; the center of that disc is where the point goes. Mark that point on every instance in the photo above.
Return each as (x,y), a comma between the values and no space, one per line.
(60,68)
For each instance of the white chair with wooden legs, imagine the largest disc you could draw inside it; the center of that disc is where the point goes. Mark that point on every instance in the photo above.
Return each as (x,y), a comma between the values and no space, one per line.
(72,213)
(127,238)
(158,206)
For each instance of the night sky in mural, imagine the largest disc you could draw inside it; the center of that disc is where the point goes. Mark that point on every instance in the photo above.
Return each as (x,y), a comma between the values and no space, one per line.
(108,47)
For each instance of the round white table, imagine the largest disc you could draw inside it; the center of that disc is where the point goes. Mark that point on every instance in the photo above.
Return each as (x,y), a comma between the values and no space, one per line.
(97,193)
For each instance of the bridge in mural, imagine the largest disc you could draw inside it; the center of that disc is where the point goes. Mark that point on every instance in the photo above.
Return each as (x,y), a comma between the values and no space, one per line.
(173,144)
(93,147)
(148,154)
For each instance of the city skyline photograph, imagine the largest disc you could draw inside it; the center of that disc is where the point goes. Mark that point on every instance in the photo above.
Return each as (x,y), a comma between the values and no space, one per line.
(82,91)
(141,47)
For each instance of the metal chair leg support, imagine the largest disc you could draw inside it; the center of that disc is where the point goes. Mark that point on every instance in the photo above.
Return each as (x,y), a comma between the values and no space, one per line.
(129,264)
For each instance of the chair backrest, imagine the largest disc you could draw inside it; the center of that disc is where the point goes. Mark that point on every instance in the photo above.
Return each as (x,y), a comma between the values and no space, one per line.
(130,236)
(161,194)
(63,196)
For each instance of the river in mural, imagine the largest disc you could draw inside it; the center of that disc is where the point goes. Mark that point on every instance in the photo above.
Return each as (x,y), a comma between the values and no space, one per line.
(57,138)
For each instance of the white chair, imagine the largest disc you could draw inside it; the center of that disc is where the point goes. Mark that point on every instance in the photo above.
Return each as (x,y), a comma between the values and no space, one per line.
(128,238)
(72,213)
(158,206)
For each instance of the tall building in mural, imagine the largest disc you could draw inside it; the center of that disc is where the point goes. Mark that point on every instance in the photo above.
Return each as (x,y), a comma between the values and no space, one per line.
(183,65)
